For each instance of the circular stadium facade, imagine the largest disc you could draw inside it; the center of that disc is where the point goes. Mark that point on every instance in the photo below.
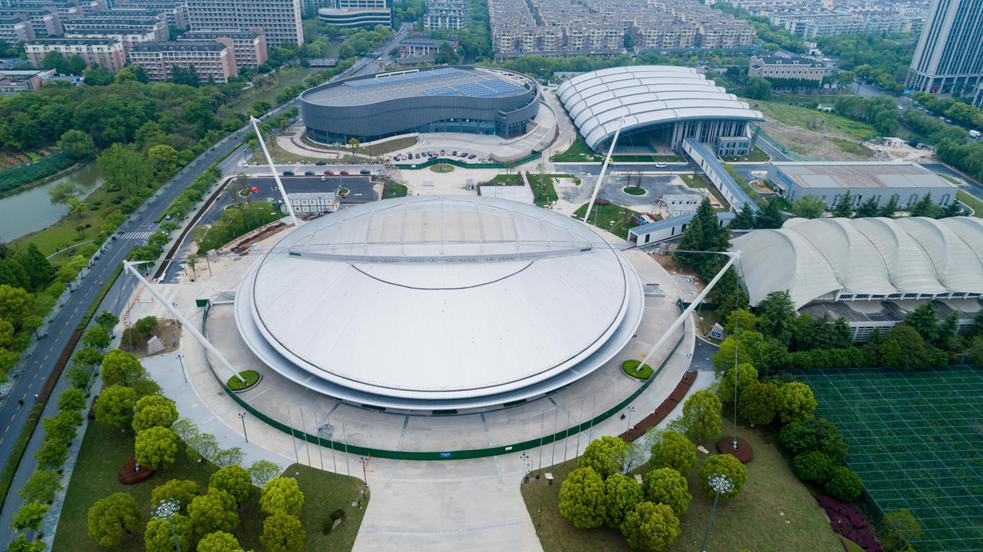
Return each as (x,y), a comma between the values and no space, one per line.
(428,99)
(438,303)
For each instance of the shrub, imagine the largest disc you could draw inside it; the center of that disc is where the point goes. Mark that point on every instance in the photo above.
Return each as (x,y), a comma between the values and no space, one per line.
(667,486)
(844,484)
(621,494)
(674,451)
(582,498)
(813,466)
(727,466)
(605,455)
(759,403)
(814,434)
(651,527)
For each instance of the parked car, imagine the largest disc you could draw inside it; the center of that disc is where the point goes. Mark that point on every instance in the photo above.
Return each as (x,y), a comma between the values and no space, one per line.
(472,156)
(288,173)
(365,171)
(661,165)
(321,163)
(309,173)
(343,173)
(329,173)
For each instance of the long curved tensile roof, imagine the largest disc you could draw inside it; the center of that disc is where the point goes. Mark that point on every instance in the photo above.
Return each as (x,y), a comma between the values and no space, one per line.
(646,95)
(814,259)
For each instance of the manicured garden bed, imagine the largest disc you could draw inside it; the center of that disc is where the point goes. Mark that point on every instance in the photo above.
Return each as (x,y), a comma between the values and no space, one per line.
(744,452)
(442,168)
(252,377)
(631,367)
(632,190)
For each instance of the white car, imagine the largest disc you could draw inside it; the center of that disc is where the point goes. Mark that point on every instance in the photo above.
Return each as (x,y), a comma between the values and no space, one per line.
(661,165)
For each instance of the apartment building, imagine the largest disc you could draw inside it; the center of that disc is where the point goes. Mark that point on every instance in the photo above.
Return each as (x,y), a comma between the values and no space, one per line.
(211,60)
(358,13)
(106,53)
(279,19)
(67,9)
(44,21)
(949,55)
(15,29)
(796,67)
(176,11)
(664,36)
(447,14)
(248,47)
(113,24)
(128,37)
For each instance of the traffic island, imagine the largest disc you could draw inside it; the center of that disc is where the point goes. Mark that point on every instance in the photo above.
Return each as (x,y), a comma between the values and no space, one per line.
(631,368)
(632,190)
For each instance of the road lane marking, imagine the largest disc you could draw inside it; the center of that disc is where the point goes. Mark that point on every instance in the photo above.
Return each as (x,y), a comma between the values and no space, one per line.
(46,356)
(30,385)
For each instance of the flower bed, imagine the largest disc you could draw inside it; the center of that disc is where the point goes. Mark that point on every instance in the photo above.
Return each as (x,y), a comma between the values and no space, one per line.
(128,475)
(850,522)
(743,452)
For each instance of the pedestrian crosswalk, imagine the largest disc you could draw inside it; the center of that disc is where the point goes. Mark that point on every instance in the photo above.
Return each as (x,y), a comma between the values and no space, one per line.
(136,235)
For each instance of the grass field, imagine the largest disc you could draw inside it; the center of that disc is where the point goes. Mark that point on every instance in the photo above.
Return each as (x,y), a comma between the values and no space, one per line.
(819,121)
(698,181)
(579,152)
(776,512)
(853,147)
(62,234)
(757,155)
(286,77)
(973,203)
(105,449)
(613,218)
(544,195)
(375,149)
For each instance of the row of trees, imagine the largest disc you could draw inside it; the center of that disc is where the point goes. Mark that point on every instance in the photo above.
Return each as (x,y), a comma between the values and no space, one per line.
(812,207)
(951,108)
(23,312)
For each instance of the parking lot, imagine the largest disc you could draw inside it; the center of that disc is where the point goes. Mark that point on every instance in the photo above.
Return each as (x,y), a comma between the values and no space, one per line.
(361,189)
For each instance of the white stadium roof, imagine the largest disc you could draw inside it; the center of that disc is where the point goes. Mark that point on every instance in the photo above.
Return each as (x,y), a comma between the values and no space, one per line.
(816,258)
(646,95)
(439,303)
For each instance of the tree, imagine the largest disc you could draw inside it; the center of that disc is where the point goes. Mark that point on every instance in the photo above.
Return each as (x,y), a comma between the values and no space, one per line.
(844,484)
(121,368)
(621,494)
(115,407)
(79,144)
(107,320)
(282,494)
(844,207)
(110,517)
(814,434)
(582,498)
(86,357)
(234,480)
(769,216)
(23,545)
(898,529)
(746,375)
(33,322)
(701,414)
(61,427)
(156,447)
(54,60)
(727,466)
(6,334)
(744,219)
(181,490)
(925,321)
(354,145)
(446,55)
(97,76)
(219,541)
(78,208)
(125,167)
(889,208)
(813,466)
(810,207)
(132,73)
(15,304)
(605,455)
(37,267)
(164,159)
(96,337)
(869,208)
(147,325)
(154,411)
(667,486)
(903,347)
(41,487)
(187,76)
(674,451)
(282,533)
(776,316)
(29,516)
(798,402)
(759,402)
(262,471)
(924,207)
(757,88)
(650,527)
(52,454)
(212,512)
(159,538)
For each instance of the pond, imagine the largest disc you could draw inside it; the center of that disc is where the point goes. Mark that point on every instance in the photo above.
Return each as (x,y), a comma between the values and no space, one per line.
(31,210)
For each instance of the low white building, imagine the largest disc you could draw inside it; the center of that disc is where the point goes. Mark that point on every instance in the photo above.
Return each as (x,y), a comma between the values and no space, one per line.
(909,182)
(681,204)
(668,229)
(313,202)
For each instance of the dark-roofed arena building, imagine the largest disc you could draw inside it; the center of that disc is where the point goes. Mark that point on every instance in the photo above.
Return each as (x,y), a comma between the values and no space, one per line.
(428,99)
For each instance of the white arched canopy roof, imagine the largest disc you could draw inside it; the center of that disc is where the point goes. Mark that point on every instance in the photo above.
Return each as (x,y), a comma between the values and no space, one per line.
(873,256)
(645,95)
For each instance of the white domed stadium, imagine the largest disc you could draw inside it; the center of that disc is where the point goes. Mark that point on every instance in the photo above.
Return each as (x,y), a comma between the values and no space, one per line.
(439,303)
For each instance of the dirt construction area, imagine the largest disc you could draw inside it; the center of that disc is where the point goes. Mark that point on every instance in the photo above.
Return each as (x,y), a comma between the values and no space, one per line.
(804,143)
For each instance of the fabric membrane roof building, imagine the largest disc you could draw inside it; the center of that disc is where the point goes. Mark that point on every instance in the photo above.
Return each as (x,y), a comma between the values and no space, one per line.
(864,259)
(647,96)
(430,303)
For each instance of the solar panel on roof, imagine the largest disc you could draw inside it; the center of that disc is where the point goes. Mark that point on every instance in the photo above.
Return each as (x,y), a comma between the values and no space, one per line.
(406,77)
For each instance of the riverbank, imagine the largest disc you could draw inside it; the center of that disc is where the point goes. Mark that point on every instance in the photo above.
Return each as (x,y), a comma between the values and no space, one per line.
(50,178)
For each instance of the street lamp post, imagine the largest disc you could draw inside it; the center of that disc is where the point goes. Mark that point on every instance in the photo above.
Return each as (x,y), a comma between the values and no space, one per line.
(525,458)
(166,510)
(631,410)
(242,416)
(720,484)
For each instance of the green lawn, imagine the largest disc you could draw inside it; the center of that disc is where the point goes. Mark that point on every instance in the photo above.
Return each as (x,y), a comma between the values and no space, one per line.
(105,449)
(514,179)
(544,195)
(699,181)
(819,121)
(970,201)
(285,78)
(776,512)
(579,152)
(757,155)
(62,234)
(394,189)
(613,218)
(631,367)
(853,147)
(375,149)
